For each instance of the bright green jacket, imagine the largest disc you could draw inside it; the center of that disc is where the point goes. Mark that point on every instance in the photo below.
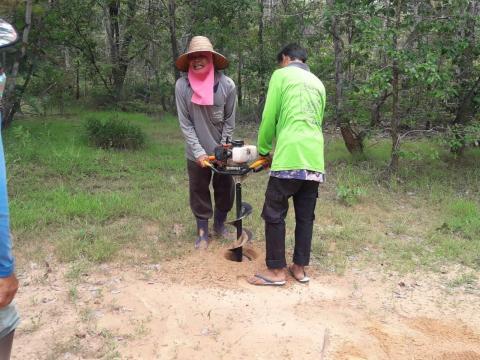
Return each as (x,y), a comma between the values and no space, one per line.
(293,116)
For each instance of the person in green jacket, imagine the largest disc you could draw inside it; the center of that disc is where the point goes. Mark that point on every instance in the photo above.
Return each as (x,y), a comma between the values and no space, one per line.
(292,116)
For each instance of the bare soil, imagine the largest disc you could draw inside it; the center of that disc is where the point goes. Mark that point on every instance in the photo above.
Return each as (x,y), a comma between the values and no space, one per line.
(201,307)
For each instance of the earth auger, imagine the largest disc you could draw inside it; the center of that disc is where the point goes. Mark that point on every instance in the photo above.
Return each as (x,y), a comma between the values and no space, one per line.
(237,160)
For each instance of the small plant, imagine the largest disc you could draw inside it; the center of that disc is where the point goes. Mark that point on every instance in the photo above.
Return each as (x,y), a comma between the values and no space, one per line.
(460,136)
(349,195)
(73,294)
(22,136)
(114,134)
(86,314)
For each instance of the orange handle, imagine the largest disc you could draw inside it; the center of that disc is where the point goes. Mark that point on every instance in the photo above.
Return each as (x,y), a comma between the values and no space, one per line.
(258,163)
(207,163)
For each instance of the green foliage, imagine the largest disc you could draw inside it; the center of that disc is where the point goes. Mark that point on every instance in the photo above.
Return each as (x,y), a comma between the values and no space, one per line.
(349,195)
(76,59)
(459,136)
(114,134)
(50,89)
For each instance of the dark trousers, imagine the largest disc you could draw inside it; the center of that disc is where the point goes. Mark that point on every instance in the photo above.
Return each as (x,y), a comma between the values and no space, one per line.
(305,193)
(200,200)
(6,346)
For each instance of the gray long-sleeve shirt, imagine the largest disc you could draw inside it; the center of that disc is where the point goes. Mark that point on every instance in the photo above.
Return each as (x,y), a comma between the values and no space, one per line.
(206,126)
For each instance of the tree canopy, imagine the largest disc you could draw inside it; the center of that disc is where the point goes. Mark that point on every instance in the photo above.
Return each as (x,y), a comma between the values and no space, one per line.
(397,66)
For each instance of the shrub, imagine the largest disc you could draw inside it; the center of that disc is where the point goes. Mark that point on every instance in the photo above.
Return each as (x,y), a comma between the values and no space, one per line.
(459,136)
(349,195)
(114,133)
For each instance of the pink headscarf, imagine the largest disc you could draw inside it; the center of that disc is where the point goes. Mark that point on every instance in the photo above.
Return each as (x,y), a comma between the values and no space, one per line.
(202,84)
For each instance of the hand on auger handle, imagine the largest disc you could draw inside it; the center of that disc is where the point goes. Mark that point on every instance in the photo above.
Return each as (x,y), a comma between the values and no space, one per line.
(238,169)
(233,159)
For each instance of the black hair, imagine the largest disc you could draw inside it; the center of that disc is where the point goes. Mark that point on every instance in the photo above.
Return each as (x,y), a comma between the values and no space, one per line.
(294,51)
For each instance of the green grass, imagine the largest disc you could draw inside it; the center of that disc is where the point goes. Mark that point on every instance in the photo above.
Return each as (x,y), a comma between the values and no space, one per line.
(464,218)
(469,279)
(86,205)
(75,196)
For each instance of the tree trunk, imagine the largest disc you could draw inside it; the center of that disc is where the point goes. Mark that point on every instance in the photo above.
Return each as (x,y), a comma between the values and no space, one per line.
(261,58)
(338,51)
(239,77)
(172,26)
(85,79)
(394,131)
(119,44)
(353,141)
(375,117)
(77,81)
(12,97)
(466,108)
(164,105)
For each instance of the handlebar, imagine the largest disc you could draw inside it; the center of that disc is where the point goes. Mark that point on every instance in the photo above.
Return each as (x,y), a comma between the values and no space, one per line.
(239,169)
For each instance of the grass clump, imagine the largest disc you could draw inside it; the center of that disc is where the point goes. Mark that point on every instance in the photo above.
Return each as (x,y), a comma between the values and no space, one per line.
(464,218)
(466,279)
(114,134)
(87,245)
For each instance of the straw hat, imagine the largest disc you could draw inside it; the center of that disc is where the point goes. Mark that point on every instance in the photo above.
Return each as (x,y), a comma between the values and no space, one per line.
(198,44)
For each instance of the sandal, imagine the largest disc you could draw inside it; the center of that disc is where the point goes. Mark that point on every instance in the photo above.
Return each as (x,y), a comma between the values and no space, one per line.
(267,282)
(303,280)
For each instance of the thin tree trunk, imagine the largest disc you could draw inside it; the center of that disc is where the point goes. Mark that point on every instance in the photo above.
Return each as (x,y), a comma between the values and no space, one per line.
(239,78)
(16,105)
(261,58)
(119,45)
(77,81)
(85,78)
(172,26)
(395,156)
(375,116)
(394,131)
(12,98)
(465,109)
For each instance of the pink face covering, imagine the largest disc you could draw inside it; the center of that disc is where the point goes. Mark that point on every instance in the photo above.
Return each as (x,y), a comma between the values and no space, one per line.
(201,82)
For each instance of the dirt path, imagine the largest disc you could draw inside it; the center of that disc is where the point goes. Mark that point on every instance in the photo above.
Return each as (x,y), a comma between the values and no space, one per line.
(201,307)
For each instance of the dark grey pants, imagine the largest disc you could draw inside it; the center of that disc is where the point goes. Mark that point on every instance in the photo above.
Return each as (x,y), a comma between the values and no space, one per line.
(6,346)
(304,193)
(200,200)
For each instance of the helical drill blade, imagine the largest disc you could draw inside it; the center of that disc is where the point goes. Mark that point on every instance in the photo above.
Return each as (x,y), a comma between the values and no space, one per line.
(246,210)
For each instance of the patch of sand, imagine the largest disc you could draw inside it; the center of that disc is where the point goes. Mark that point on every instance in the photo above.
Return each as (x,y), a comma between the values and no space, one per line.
(201,307)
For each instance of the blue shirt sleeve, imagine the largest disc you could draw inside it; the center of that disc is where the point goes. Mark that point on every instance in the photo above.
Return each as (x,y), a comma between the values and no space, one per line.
(6,257)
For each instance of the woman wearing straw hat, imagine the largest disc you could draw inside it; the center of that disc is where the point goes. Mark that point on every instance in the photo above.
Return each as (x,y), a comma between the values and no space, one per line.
(206,104)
